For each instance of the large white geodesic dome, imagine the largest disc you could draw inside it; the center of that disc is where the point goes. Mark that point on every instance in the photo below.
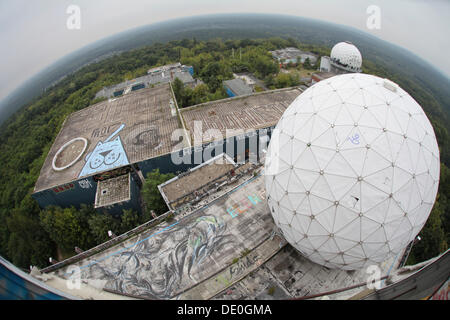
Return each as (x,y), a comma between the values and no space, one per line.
(347,56)
(352,171)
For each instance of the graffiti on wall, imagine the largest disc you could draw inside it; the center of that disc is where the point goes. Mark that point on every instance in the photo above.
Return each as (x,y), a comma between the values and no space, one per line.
(246,203)
(237,269)
(104,131)
(144,136)
(107,154)
(167,260)
(64,187)
(85,184)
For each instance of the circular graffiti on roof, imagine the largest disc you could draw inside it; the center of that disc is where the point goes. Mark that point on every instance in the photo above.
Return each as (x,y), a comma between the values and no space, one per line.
(69,153)
(144,136)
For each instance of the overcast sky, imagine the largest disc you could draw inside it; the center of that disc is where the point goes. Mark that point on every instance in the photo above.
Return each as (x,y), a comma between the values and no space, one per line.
(34,34)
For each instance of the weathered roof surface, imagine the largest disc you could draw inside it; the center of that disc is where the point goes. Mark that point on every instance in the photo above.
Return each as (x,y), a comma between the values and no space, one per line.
(138,126)
(256,111)
(195,179)
(238,87)
(293,53)
(112,191)
(119,132)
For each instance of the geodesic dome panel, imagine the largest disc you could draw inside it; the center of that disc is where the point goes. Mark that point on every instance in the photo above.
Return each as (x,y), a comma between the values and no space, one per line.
(352,171)
(347,56)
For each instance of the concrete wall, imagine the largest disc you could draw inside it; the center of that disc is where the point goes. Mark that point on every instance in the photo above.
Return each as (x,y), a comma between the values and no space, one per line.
(17,285)
(70,194)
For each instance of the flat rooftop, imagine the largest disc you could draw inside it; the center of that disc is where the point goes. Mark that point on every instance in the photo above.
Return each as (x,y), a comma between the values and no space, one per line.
(292,53)
(172,66)
(112,191)
(138,126)
(111,134)
(181,188)
(260,110)
(238,87)
(146,81)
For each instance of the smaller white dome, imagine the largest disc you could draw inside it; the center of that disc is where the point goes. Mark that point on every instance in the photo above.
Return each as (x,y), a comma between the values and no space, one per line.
(346,56)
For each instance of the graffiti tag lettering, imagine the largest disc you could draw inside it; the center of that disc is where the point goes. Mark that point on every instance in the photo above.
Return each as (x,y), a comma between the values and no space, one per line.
(85,184)
(65,187)
(354,139)
(243,205)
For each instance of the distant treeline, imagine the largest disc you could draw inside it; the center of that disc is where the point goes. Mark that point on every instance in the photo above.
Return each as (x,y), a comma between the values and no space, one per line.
(29,235)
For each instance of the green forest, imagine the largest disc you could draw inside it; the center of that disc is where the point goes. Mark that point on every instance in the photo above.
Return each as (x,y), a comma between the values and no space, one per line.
(30,235)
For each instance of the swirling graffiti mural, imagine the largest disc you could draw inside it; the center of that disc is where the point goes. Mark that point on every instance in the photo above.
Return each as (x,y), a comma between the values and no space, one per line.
(163,265)
(144,136)
(170,259)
